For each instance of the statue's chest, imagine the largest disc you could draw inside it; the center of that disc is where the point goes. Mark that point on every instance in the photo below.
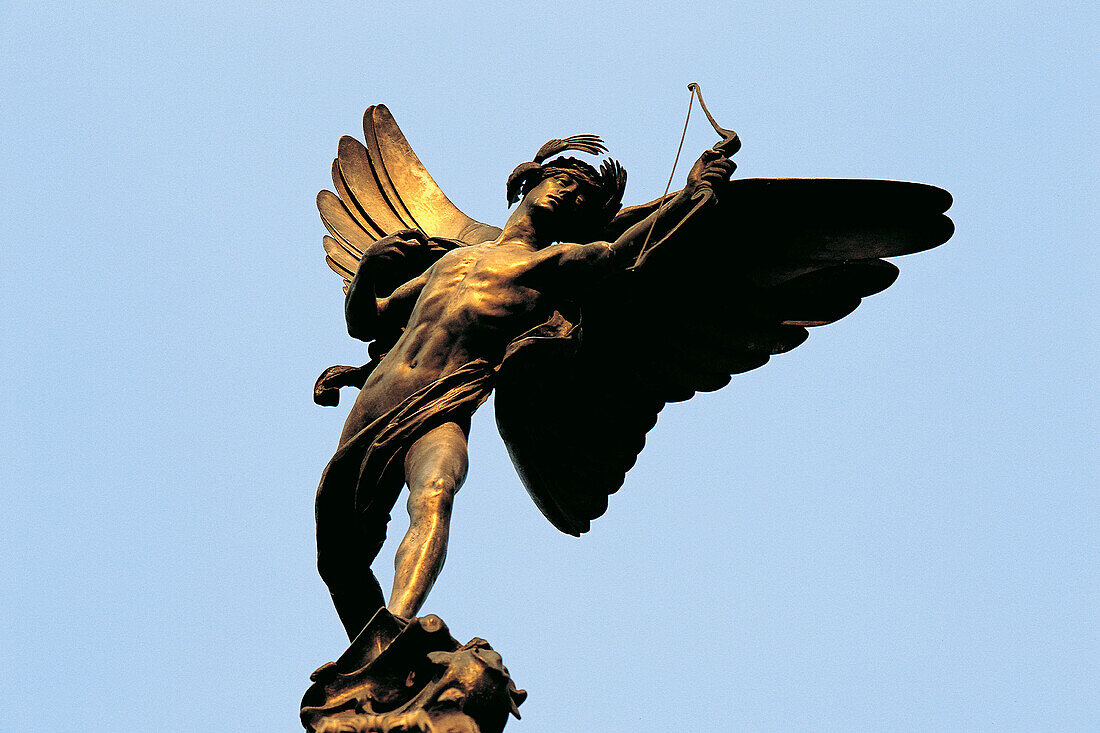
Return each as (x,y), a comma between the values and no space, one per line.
(484,283)
(488,269)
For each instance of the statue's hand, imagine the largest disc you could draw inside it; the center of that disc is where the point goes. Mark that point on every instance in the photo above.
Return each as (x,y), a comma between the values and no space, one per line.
(394,247)
(711,169)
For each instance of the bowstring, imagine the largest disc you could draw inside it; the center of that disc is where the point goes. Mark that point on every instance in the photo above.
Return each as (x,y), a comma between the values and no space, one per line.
(683,136)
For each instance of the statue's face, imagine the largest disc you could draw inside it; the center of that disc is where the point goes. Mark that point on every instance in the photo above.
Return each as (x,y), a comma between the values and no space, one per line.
(559,193)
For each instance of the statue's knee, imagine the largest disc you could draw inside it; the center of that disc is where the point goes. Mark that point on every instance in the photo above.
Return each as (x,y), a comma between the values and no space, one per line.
(331,569)
(432,496)
(346,552)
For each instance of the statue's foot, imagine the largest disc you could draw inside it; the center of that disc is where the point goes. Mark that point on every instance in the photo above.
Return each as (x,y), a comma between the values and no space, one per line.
(412,673)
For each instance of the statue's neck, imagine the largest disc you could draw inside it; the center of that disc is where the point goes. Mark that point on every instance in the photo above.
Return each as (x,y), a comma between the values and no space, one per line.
(519,229)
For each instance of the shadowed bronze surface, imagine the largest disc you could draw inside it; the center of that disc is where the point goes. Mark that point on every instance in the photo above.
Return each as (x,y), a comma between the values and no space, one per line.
(401,676)
(583,340)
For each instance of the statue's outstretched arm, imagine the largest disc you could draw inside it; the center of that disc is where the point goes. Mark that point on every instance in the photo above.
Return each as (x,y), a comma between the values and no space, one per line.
(710,170)
(581,265)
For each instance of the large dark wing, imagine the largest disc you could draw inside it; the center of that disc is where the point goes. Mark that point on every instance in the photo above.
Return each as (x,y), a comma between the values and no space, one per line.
(382,187)
(738,284)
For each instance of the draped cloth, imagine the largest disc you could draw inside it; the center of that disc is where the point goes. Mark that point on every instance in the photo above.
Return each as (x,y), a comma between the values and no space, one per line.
(361,483)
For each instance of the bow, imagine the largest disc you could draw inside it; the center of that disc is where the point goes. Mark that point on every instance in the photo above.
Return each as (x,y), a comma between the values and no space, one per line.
(704,195)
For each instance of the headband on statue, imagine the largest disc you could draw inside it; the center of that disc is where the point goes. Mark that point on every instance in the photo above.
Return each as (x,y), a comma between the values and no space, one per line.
(591,144)
(609,180)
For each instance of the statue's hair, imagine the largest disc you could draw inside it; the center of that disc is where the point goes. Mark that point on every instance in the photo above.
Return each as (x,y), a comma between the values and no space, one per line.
(603,188)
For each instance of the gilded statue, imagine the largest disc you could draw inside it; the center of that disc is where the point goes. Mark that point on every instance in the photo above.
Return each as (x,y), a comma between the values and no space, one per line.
(585,317)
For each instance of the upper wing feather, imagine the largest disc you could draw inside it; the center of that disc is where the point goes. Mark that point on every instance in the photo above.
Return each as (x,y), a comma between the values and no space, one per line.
(381,188)
(422,199)
(736,286)
(366,193)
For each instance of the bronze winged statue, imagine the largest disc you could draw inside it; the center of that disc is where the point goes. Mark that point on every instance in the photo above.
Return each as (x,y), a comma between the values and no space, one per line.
(583,336)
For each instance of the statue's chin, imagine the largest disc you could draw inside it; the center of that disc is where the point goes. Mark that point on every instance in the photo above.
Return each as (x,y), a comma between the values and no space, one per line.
(547,217)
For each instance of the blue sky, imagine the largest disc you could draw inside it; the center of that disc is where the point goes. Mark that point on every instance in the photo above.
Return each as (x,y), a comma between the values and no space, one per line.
(893,527)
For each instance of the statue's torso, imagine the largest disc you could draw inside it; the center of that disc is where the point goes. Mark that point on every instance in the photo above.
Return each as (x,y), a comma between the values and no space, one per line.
(477,299)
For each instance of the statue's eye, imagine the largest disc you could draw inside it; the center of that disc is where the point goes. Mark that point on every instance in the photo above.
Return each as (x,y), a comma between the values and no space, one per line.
(580,200)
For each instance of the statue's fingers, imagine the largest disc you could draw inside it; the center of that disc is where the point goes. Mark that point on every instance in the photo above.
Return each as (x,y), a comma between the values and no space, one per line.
(722,168)
(410,234)
(717,174)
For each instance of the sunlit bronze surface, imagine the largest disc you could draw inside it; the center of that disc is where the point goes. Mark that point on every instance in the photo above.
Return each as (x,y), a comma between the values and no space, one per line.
(583,341)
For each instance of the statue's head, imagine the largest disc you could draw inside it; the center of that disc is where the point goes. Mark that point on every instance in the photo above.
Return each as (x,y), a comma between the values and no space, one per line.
(579,199)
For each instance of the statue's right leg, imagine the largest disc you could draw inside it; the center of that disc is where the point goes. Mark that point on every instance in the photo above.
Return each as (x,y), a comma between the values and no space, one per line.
(435,468)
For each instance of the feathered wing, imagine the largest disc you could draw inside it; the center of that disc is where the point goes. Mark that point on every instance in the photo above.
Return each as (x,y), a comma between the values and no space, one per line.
(381,188)
(739,283)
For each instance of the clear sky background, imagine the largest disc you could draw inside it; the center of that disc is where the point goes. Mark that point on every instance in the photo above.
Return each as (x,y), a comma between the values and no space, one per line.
(894,527)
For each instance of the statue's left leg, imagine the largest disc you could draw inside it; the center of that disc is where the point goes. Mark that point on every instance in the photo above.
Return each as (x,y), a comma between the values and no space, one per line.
(347,543)
(435,468)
